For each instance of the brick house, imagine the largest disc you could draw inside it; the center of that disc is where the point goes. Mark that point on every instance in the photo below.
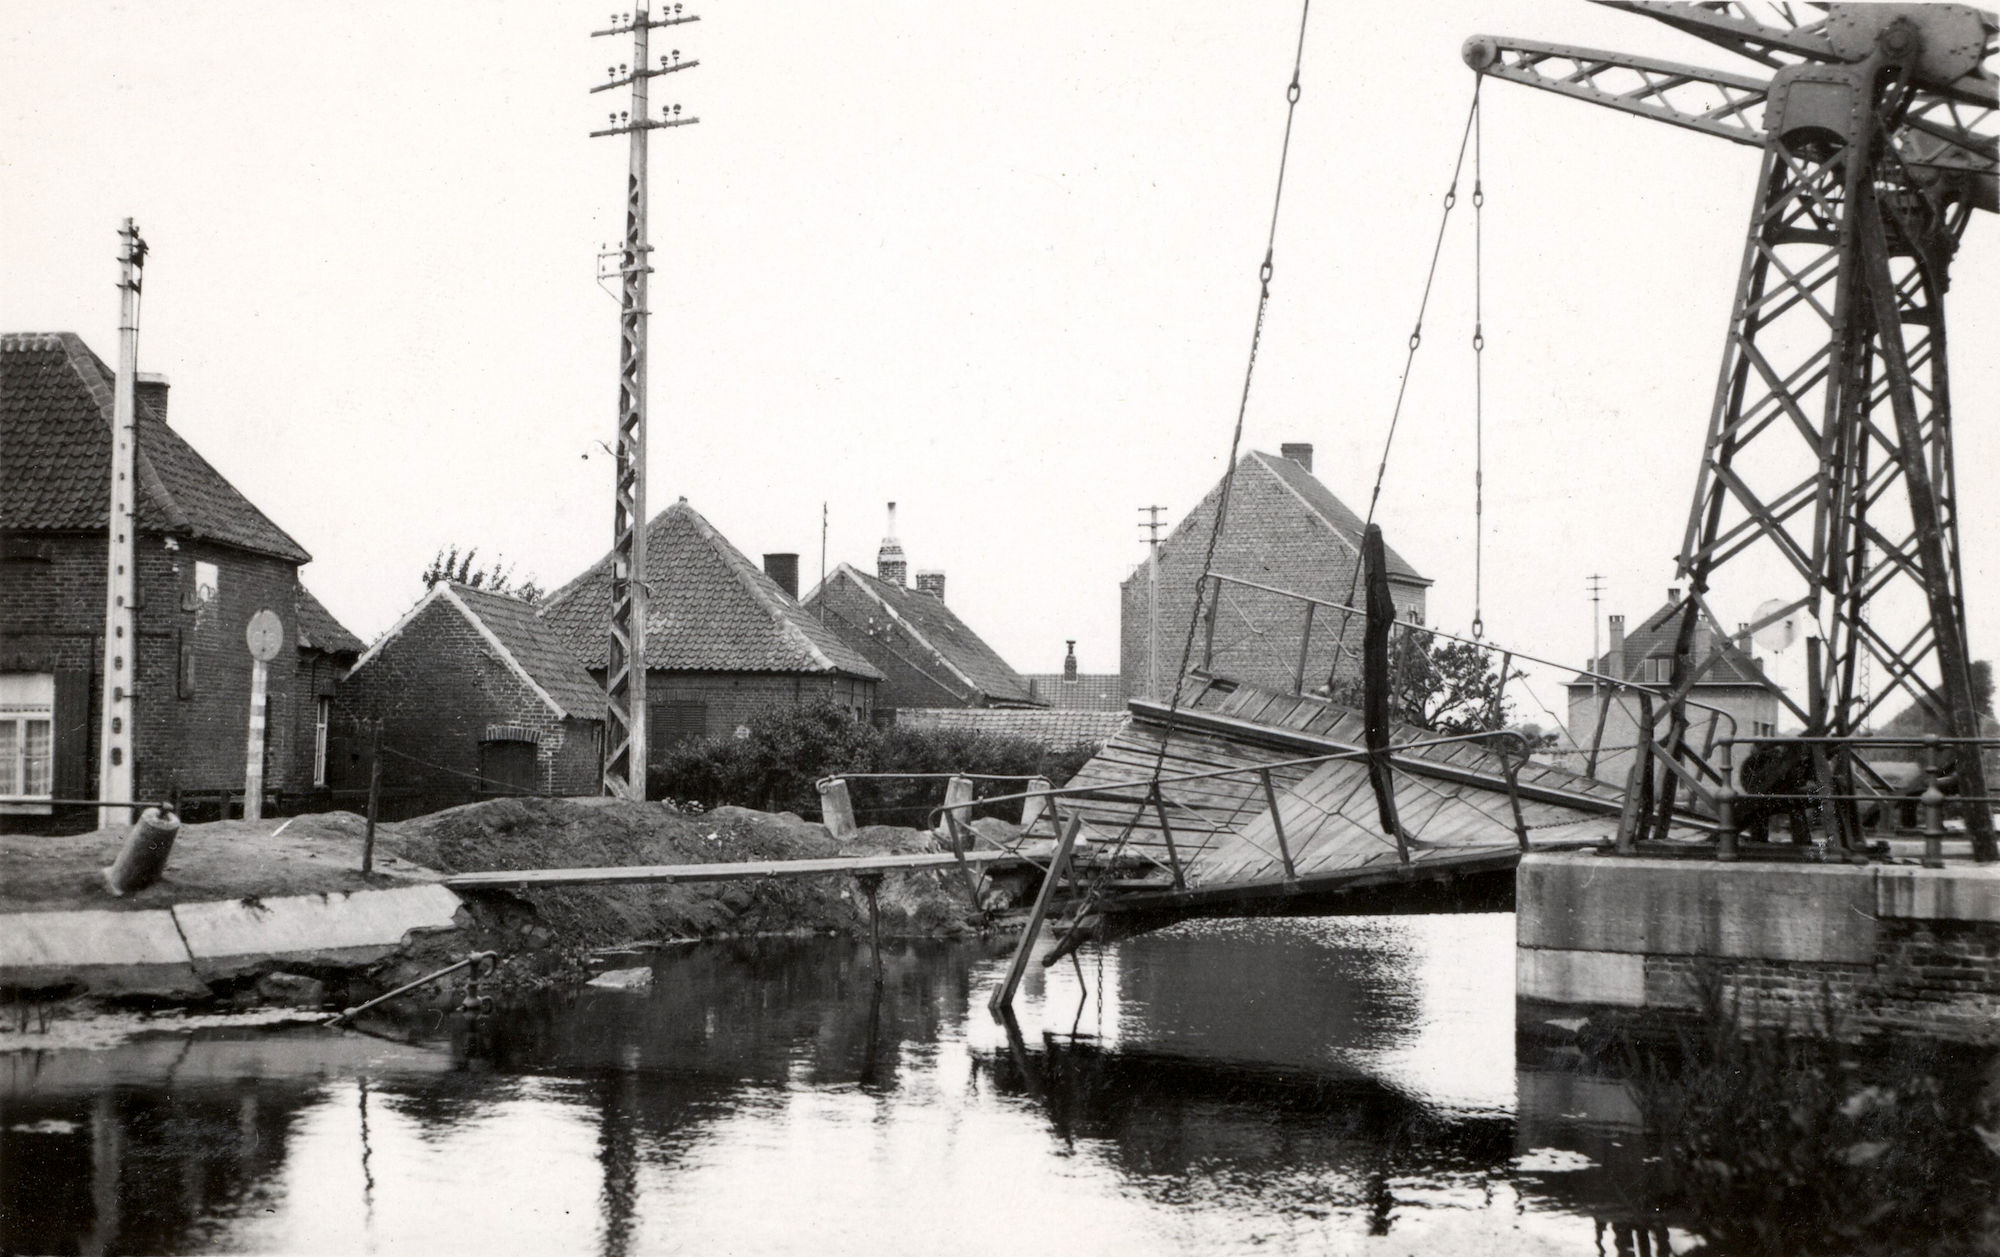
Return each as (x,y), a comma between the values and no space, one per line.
(1286,530)
(724,638)
(1071,690)
(477,697)
(207,561)
(1733,681)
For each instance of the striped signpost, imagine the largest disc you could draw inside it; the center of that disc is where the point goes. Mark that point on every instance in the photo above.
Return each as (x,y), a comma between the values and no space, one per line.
(266,636)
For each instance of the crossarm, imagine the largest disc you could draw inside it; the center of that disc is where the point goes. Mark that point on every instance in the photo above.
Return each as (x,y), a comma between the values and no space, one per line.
(1708,101)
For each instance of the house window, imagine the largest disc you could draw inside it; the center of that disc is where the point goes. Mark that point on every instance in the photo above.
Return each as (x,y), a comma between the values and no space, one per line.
(321,720)
(27,738)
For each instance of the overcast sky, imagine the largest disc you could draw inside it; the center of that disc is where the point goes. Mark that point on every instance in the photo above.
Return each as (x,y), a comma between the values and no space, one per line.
(995,262)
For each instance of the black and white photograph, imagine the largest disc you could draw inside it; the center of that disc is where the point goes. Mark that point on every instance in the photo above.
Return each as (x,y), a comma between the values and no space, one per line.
(897,628)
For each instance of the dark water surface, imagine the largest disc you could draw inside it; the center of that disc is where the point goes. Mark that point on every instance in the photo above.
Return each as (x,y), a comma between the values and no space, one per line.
(1311,1086)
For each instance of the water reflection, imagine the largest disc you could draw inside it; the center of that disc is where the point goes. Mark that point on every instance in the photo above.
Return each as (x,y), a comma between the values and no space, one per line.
(1227,1088)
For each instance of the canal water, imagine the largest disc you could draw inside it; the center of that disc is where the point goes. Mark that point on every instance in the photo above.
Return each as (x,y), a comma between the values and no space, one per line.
(1346,1085)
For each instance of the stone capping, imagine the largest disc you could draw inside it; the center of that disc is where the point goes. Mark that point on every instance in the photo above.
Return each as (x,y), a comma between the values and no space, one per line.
(1959,893)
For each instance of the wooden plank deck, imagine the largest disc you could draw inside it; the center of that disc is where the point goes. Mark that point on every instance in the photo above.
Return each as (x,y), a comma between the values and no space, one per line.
(720,871)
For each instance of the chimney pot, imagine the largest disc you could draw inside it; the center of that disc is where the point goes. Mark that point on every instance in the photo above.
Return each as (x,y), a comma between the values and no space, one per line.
(1069,662)
(890,565)
(1300,452)
(784,569)
(1673,593)
(151,388)
(932,583)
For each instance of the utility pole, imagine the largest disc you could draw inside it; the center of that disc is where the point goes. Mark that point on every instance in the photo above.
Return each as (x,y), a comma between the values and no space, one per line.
(1594,584)
(625,659)
(121,633)
(822,562)
(1152,525)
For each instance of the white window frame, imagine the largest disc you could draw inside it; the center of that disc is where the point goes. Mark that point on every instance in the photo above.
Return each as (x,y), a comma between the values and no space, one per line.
(322,718)
(28,698)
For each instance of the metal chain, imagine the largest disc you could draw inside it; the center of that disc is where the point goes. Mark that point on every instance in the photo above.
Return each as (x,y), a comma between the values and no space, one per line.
(1409,360)
(1264,273)
(1478,373)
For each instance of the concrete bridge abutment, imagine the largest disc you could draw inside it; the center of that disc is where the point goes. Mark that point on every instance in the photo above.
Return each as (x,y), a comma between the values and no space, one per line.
(1854,949)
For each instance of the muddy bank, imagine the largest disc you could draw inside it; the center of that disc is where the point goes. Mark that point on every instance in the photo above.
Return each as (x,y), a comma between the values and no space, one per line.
(581,833)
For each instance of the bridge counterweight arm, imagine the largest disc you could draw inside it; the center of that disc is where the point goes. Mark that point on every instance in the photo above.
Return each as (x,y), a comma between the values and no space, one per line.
(1710,101)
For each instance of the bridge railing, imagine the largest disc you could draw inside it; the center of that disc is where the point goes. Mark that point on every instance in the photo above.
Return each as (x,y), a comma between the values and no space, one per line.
(1840,780)
(1190,823)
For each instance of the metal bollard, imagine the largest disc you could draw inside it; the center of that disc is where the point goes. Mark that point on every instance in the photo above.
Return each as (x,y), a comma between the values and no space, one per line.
(144,856)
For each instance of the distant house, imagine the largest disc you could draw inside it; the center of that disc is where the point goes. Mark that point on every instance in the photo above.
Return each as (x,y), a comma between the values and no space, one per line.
(1732,681)
(724,638)
(1055,728)
(1285,530)
(928,657)
(1071,690)
(477,697)
(207,561)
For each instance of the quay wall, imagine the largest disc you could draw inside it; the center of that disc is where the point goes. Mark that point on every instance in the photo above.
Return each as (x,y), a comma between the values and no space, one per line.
(1883,948)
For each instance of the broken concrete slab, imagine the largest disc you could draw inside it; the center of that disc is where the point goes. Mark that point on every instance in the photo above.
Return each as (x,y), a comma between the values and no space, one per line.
(623,980)
(114,953)
(238,935)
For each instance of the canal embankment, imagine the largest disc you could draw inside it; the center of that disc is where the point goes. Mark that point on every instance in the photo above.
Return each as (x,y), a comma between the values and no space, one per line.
(261,912)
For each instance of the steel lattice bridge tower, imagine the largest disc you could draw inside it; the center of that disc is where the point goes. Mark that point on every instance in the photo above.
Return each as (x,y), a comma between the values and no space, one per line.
(625,652)
(1827,475)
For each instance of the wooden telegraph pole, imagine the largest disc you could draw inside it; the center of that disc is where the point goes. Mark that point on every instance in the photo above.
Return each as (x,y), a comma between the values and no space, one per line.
(625,660)
(121,633)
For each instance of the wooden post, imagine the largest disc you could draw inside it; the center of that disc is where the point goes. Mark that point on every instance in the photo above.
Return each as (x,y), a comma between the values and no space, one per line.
(871,886)
(1725,802)
(1305,649)
(1375,696)
(1637,778)
(253,750)
(957,832)
(836,809)
(957,804)
(1167,832)
(374,795)
(1003,996)
(1597,734)
(1278,825)
(1036,802)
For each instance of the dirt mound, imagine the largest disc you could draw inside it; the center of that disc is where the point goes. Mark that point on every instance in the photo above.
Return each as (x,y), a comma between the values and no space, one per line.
(585,833)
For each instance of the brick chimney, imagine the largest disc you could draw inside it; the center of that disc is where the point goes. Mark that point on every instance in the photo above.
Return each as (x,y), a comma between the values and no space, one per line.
(1616,663)
(1300,452)
(784,569)
(932,583)
(1069,662)
(152,389)
(890,564)
(1743,637)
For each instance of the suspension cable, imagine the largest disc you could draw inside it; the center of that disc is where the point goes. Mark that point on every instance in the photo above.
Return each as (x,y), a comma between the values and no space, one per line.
(1264,273)
(1478,370)
(1409,358)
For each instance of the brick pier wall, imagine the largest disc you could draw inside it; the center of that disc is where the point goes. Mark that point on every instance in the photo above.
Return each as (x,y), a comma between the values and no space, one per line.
(1897,948)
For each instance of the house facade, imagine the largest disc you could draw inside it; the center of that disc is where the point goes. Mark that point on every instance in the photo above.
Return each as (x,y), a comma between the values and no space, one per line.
(1072,690)
(207,560)
(476,697)
(725,639)
(1285,530)
(1732,682)
(928,657)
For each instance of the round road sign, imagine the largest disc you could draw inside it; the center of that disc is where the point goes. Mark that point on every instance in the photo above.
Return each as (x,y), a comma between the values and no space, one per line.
(266,634)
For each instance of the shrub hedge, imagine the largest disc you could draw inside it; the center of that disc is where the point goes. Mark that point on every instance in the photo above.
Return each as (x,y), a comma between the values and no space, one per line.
(777,767)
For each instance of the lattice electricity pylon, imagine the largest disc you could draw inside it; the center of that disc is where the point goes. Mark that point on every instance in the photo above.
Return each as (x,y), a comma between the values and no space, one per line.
(625,655)
(1827,472)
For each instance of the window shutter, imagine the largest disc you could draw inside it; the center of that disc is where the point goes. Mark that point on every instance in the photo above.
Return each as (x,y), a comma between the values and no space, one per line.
(72,733)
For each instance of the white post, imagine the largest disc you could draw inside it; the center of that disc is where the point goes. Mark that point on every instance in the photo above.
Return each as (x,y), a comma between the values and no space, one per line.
(121,634)
(957,799)
(1036,804)
(253,755)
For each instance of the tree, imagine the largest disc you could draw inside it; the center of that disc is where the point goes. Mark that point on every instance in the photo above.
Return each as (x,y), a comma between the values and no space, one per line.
(1445,686)
(497,577)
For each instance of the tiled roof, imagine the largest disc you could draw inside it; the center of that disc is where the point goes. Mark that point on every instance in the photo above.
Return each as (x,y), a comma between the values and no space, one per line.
(55,426)
(712,609)
(1654,637)
(537,647)
(318,630)
(935,625)
(1054,727)
(1328,507)
(1090,691)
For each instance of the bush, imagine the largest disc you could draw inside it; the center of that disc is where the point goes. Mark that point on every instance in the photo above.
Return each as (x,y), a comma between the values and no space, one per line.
(777,767)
